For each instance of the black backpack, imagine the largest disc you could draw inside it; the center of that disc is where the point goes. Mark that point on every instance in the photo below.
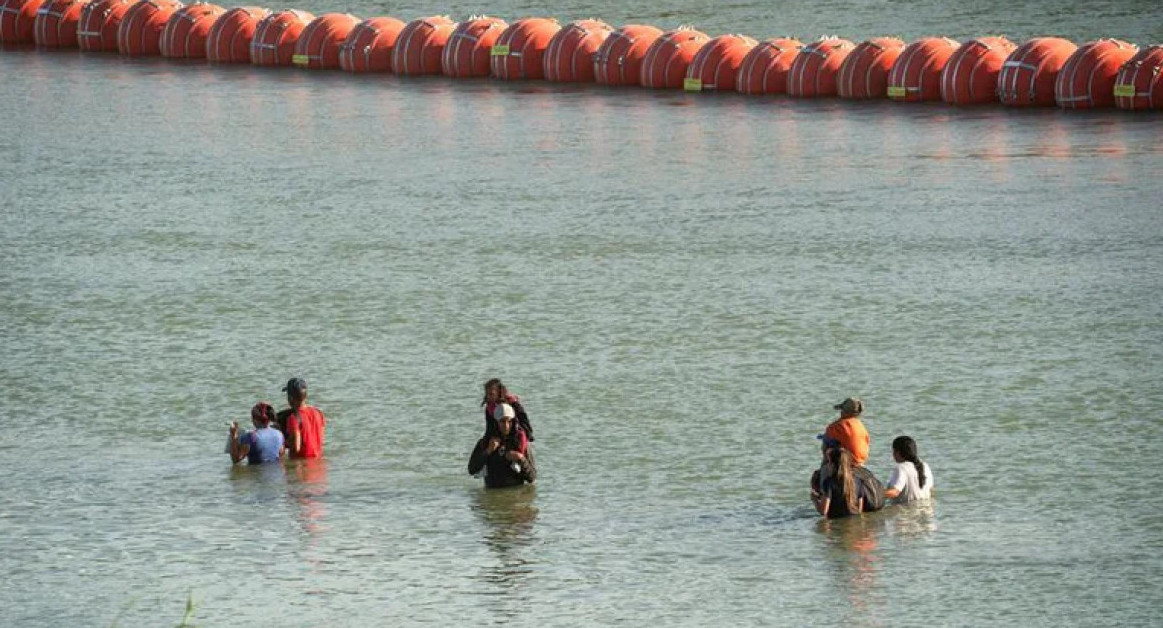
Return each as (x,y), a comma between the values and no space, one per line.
(871,489)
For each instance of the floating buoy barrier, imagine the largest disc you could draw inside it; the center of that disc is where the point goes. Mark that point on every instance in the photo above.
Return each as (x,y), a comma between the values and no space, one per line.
(276,35)
(185,33)
(814,70)
(369,46)
(141,28)
(1041,72)
(229,38)
(56,23)
(864,73)
(916,75)
(765,68)
(1087,79)
(18,20)
(715,67)
(569,57)
(421,45)
(618,60)
(970,76)
(97,28)
(469,47)
(318,45)
(1139,84)
(519,53)
(667,60)
(1028,75)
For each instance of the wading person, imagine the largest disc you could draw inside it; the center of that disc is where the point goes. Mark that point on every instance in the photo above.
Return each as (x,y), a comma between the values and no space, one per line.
(839,494)
(262,444)
(504,459)
(911,479)
(303,425)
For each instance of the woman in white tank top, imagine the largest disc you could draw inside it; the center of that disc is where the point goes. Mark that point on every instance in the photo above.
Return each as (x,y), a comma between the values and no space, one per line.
(911,479)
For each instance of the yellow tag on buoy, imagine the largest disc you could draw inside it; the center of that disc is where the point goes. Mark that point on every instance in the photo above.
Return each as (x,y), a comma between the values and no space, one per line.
(898,92)
(499,51)
(1125,90)
(300,60)
(692,85)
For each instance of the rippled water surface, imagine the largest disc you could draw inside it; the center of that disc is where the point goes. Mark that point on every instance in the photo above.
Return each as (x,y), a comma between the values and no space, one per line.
(679,286)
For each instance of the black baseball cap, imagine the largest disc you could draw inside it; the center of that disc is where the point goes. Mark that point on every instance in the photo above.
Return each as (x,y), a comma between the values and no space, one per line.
(295,384)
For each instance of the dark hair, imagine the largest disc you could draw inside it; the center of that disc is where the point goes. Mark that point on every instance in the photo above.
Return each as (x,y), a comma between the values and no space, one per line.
(906,448)
(502,392)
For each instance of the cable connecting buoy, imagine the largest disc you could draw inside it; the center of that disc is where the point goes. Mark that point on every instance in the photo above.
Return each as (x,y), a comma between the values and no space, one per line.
(715,67)
(916,75)
(970,76)
(276,36)
(469,47)
(569,56)
(667,60)
(815,69)
(318,45)
(1028,75)
(1087,79)
(864,73)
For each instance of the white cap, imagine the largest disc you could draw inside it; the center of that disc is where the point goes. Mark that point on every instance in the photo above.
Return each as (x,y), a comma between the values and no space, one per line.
(504,411)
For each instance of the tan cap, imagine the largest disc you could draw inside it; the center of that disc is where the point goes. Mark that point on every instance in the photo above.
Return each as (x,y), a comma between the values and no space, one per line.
(850,407)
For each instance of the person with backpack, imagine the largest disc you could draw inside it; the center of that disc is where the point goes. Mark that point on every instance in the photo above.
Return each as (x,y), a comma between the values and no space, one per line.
(839,492)
(504,459)
(911,479)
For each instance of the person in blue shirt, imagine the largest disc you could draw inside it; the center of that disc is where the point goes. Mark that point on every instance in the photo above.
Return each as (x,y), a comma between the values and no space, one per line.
(263,444)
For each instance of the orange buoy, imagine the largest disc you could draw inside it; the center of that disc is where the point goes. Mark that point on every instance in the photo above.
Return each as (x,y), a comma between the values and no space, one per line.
(56,23)
(141,28)
(368,47)
(466,53)
(970,76)
(18,21)
(1087,79)
(716,65)
(1139,84)
(318,45)
(1027,77)
(100,19)
(230,35)
(569,57)
(275,37)
(916,75)
(864,73)
(519,53)
(420,45)
(618,60)
(764,69)
(668,58)
(814,70)
(185,33)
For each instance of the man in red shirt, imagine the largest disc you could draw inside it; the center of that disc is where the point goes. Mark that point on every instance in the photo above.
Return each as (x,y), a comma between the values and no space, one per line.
(304,425)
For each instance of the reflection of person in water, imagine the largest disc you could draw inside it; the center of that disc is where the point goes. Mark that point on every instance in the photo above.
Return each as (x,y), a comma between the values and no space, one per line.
(507,518)
(308,487)
(856,566)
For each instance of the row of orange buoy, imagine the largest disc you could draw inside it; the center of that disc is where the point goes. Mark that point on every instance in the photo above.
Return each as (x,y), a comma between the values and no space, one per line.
(1044,71)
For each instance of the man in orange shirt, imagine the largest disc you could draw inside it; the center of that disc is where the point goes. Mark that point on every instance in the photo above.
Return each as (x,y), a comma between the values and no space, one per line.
(849,431)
